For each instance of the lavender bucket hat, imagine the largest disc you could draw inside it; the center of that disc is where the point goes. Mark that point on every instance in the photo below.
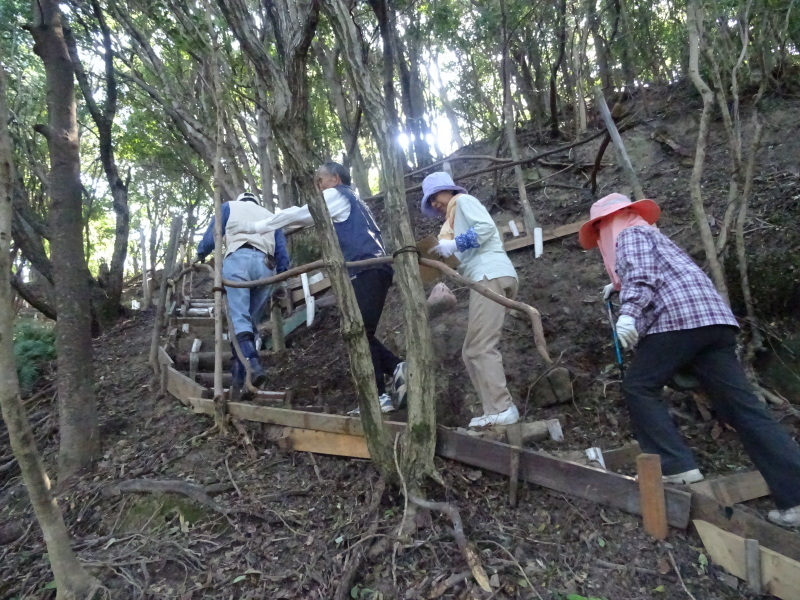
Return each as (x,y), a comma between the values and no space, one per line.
(432,185)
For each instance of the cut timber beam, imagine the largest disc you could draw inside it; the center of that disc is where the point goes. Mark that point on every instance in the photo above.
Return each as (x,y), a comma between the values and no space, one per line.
(524,240)
(289,418)
(733,489)
(183,388)
(563,476)
(578,480)
(779,574)
(745,525)
(323,442)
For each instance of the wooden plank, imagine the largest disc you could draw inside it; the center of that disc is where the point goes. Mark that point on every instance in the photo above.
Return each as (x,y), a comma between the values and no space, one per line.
(733,489)
(163,357)
(651,487)
(524,240)
(316,288)
(323,442)
(297,318)
(183,388)
(745,525)
(624,456)
(780,574)
(563,476)
(290,418)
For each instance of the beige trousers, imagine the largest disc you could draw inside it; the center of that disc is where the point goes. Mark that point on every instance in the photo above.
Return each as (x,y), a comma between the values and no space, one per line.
(481,356)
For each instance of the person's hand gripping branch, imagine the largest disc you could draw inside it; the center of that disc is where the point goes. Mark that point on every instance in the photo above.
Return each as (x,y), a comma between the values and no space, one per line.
(444,248)
(608,291)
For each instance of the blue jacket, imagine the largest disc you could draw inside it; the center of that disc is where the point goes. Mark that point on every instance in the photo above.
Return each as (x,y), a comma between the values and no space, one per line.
(359,236)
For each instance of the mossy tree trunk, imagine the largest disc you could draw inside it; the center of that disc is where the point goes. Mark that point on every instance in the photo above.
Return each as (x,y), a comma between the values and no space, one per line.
(71,579)
(420,442)
(78,425)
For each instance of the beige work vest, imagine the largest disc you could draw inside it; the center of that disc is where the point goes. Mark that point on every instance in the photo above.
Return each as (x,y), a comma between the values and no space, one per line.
(248,211)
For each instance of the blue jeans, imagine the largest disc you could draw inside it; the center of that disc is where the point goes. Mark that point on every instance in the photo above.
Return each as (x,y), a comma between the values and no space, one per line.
(246,305)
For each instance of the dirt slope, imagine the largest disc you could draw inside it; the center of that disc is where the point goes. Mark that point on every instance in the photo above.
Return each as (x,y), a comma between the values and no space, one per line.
(299,521)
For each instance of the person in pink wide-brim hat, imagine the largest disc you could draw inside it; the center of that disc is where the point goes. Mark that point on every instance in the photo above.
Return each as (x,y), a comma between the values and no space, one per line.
(671,312)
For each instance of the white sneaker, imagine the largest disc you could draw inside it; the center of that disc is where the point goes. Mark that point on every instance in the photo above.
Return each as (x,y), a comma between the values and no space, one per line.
(400,384)
(686,477)
(387,406)
(786,518)
(508,417)
(385,400)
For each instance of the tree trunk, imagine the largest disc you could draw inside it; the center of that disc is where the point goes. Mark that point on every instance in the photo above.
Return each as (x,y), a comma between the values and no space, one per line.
(694,23)
(510,128)
(146,287)
(420,440)
(628,69)
(562,40)
(108,310)
(600,48)
(71,579)
(80,440)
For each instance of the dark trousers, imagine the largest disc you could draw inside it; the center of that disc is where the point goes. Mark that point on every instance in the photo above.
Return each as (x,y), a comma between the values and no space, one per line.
(710,353)
(371,287)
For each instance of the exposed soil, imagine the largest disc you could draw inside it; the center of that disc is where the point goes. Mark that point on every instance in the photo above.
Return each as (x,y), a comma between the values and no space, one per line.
(300,520)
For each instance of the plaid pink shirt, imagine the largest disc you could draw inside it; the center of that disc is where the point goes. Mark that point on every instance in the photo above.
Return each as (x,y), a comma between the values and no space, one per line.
(662,288)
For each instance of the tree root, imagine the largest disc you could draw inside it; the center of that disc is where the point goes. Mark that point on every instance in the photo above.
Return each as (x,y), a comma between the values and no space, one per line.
(471,556)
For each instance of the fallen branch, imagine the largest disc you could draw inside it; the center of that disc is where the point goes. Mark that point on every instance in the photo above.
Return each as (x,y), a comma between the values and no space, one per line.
(194,491)
(466,548)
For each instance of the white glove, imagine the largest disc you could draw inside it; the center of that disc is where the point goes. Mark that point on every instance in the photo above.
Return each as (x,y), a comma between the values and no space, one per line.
(243,228)
(444,248)
(626,331)
(608,290)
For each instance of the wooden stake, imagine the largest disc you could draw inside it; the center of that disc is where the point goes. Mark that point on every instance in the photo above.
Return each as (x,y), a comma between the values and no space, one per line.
(752,566)
(278,341)
(651,489)
(514,433)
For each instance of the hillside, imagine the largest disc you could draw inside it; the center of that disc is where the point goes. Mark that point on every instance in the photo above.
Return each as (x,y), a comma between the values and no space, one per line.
(294,524)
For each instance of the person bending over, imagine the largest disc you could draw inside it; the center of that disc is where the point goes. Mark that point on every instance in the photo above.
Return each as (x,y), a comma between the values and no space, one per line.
(676,319)
(248,257)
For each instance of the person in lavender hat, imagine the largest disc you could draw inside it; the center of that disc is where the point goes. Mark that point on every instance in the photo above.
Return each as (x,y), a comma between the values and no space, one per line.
(470,233)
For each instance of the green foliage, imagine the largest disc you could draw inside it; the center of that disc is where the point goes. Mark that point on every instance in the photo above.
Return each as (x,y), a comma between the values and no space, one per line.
(34,347)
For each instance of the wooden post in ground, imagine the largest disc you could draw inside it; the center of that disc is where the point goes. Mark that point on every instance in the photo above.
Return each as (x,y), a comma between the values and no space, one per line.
(278,339)
(617,139)
(169,261)
(514,435)
(752,566)
(651,491)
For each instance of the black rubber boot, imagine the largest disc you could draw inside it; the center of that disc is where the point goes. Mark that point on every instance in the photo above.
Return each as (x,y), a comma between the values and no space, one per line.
(247,344)
(238,374)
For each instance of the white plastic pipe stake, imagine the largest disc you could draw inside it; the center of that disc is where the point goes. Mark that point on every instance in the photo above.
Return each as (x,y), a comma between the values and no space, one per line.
(512,226)
(538,243)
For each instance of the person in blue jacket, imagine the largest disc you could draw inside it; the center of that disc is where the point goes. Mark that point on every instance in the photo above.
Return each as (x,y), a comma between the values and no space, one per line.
(359,239)
(248,257)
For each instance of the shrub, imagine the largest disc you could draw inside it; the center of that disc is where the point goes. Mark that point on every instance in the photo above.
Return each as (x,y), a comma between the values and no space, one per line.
(34,347)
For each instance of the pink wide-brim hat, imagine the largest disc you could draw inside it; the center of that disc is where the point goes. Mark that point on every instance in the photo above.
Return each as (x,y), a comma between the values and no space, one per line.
(608,205)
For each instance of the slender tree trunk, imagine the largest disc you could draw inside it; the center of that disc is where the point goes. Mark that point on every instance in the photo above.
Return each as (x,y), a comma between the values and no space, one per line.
(452,117)
(562,40)
(420,441)
(694,22)
(628,69)
(146,288)
(78,426)
(71,579)
(511,129)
